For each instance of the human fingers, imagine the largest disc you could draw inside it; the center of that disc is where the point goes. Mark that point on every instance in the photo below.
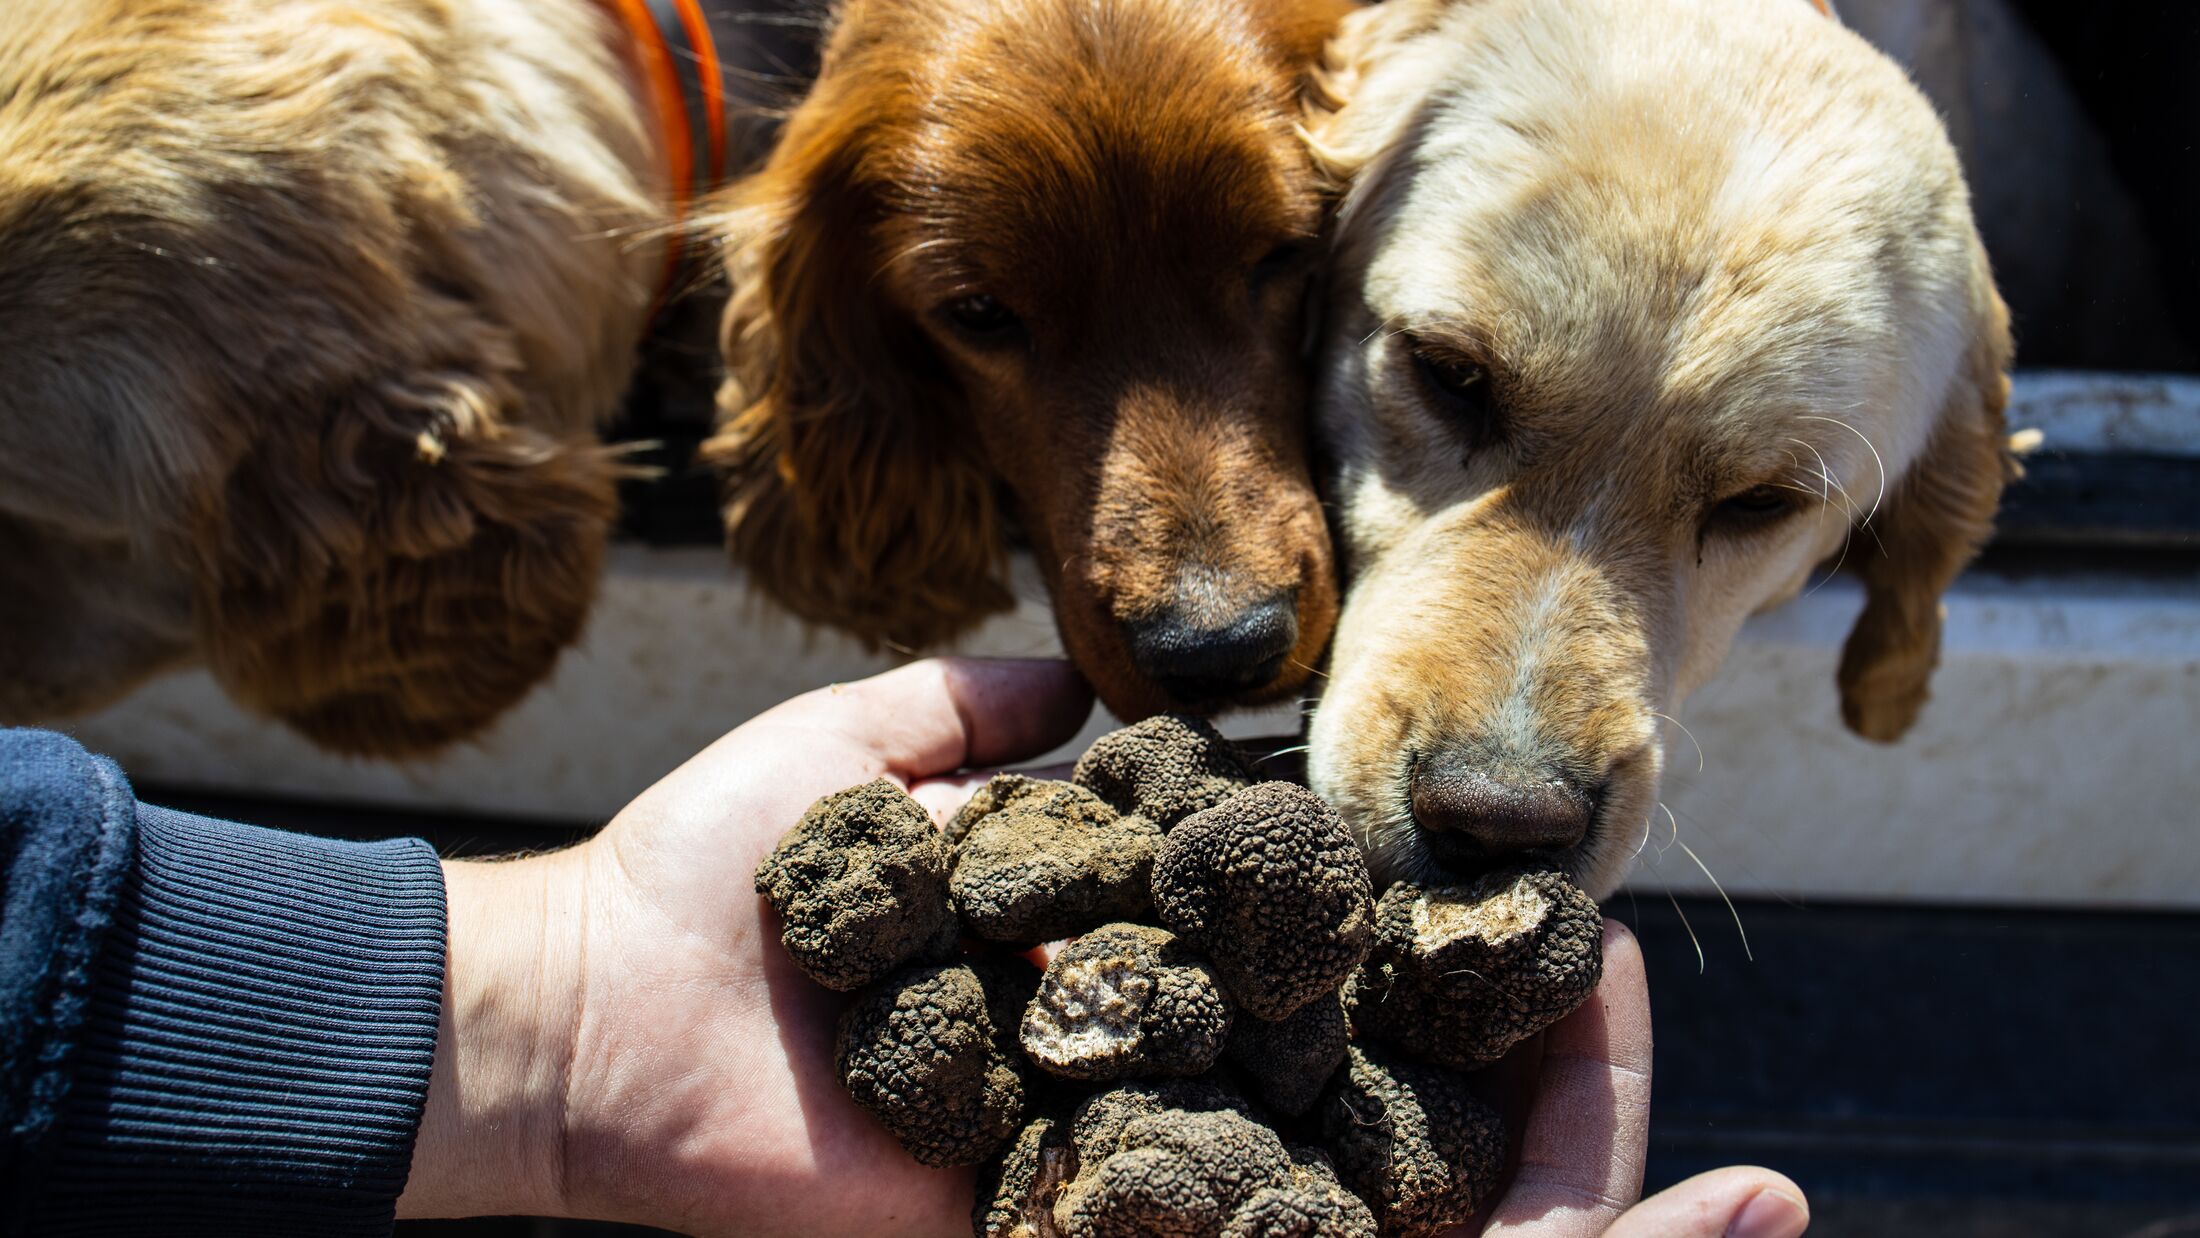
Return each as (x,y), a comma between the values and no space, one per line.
(1581,1153)
(944,796)
(945,714)
(1739,1201)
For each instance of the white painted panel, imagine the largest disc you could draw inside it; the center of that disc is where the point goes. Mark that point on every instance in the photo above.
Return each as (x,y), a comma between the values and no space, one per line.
(2055,764)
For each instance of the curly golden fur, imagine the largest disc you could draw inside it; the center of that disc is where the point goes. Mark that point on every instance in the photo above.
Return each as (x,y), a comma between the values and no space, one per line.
(1141,419)
(313,310)
(1640,310)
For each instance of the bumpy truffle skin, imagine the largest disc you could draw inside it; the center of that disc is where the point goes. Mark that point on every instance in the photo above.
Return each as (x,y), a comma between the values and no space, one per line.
(1171,1171)
(1460,974)
(1297,1212)
(1164,769)
(860,885)
(928,1052)
(1273,890)
(1411,1141)
(1126,999)
(1016,1193)
(1290,1060)
(1050,860)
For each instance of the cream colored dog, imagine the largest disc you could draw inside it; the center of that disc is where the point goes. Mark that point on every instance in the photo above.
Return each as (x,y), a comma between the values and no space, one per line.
(1641,309)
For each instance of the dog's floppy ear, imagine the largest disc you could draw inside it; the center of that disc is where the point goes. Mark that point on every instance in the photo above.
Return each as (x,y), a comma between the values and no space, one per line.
(391,571)
(852,494)
(1933,523)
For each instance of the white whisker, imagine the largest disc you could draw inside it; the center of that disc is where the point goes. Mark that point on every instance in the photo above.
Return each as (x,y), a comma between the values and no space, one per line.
(1691,930)
(1739,931)
(1685,731)
(1876,460)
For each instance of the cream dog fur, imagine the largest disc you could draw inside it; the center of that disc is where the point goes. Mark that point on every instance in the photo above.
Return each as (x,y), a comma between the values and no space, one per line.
(1641,310)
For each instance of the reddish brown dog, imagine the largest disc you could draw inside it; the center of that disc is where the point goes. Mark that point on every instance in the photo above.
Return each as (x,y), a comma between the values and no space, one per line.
(1040,262)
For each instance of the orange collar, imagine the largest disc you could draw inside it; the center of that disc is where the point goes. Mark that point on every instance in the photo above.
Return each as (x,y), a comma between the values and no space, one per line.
(1824,7)
(678,60)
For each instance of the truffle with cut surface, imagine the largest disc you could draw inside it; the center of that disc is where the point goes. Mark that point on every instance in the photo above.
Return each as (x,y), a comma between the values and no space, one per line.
(1016,1194)
(1289,1060)
(1460,974)
(1273,890)
(860,885)
(1411,1141)
(1126,999)
(930,1052)
(1040,860)
(1164,769)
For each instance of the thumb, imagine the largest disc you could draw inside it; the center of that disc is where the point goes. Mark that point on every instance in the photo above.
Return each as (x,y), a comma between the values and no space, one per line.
(1739,1201)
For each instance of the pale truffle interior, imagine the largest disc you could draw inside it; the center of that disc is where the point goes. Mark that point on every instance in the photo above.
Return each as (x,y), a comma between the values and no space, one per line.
(1446,916)
(1087,1010)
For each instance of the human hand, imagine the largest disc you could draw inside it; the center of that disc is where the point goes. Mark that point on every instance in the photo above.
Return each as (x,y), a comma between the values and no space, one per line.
(1588,1127)
(624,1038)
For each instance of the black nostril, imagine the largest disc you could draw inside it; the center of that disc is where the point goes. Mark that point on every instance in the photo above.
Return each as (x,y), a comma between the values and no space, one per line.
(1194,659)
(1498,809)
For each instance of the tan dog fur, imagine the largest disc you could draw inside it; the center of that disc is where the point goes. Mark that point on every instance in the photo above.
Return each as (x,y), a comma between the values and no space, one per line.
(312,311)
(1708,253)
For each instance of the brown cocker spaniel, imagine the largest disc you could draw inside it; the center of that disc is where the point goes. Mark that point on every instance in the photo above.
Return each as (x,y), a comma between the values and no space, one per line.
(1040,262)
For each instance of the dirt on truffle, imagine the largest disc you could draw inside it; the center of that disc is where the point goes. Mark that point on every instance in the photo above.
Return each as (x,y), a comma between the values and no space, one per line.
(1126,999)
(1274,891)
(860,885)
(1165,768)
(930,1051)
(1288,1061)
(1040,860)
(1460,974)
(1411,1141)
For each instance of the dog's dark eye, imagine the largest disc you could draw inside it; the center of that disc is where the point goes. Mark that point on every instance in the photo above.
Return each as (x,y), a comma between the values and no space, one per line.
(1752,508)
(1278,261)
(981,315)
(1460,387)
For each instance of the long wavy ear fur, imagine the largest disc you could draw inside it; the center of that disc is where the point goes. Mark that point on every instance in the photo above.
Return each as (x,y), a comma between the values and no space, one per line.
(393,574)
(1932,525)
(853,494)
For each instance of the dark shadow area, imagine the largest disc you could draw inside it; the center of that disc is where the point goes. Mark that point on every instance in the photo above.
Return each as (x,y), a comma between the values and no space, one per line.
(1932,1063)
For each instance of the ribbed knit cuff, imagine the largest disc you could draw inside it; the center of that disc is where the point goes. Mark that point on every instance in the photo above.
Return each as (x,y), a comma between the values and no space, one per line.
(255,1054)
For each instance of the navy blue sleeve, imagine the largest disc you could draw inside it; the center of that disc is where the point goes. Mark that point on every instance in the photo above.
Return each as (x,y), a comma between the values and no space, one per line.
(205,1027)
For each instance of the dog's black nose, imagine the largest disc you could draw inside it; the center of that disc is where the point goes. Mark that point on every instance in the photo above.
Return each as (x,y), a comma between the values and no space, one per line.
(1498,809)
(1195,658)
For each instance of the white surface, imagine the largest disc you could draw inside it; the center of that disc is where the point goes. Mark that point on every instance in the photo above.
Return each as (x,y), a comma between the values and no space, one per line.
(2094,411)
(2055,763)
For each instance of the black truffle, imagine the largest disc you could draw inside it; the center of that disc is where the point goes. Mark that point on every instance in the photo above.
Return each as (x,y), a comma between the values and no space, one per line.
(1273,890)
(860,885)
(1411,1141)
(930,1052)
(1043,860)
(1126,999)
(1460,974)
(1157,1161)
(1288,1061)
(1016,1194)
(1164,769)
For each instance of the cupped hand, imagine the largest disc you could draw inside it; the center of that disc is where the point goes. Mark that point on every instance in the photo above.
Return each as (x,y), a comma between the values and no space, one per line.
(1585,1086)
(630,1041)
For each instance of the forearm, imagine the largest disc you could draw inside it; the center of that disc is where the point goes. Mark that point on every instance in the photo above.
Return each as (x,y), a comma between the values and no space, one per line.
(246,1047)
(491,1141)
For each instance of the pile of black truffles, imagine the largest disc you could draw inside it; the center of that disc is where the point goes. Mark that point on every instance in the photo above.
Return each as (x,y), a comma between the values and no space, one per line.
(1240,1039)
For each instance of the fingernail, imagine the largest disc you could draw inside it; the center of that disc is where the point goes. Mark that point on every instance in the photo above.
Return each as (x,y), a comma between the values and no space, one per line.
(1771,1214)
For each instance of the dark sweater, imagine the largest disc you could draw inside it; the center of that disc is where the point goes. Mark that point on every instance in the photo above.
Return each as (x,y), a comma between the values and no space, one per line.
(205,1027)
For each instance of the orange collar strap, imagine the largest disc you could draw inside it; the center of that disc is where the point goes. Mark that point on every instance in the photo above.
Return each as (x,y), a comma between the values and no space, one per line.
(1824,7)
(686,87)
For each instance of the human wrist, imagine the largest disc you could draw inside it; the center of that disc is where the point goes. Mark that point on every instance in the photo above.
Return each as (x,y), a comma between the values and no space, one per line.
(491,1140)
